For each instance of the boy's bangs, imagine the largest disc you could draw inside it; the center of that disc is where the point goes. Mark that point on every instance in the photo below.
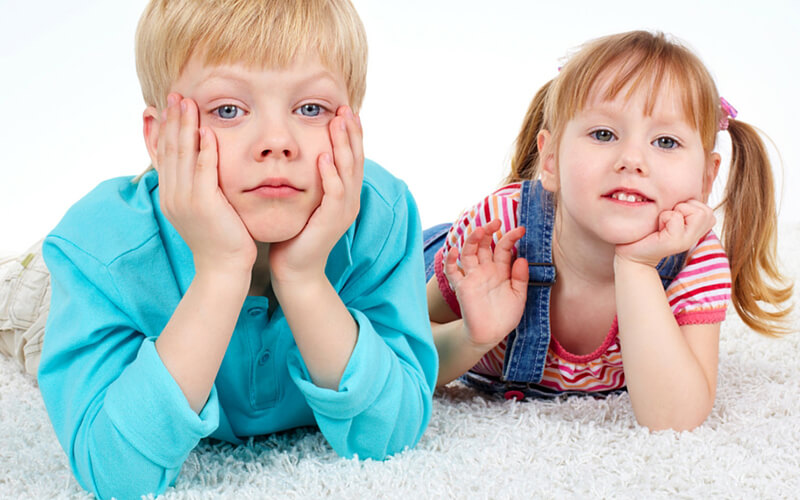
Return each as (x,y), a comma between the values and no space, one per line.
(260,34)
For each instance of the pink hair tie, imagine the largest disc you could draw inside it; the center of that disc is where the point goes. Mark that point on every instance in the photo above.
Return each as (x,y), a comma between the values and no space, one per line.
(728,113)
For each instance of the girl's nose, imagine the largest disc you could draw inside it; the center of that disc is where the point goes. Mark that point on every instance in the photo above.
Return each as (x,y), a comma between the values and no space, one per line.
(631,160)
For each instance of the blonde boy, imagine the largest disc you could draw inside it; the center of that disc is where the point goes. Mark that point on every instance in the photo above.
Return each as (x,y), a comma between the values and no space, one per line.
(263,276)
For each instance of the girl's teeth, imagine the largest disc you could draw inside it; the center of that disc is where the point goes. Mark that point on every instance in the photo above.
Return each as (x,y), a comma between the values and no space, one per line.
(626,197)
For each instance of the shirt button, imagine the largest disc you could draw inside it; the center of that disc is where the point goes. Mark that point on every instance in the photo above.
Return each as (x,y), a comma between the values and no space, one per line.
(264,358)
(255,311)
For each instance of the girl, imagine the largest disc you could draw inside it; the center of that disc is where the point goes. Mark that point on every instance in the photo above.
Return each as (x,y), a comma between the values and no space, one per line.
(599,254)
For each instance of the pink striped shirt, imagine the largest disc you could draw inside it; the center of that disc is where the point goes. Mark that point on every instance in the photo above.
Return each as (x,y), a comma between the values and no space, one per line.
(698,295)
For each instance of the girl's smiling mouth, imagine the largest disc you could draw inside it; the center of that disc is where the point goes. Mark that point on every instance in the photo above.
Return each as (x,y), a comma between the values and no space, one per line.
(627,196)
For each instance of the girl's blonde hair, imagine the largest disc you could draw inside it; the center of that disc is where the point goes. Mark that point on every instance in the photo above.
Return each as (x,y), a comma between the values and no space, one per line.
(258,33)
(649,61)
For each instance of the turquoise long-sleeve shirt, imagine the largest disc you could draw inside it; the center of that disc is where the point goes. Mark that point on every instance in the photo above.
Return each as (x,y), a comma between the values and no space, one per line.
(118,270)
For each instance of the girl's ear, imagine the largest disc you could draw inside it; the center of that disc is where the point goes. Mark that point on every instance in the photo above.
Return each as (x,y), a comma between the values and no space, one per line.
(151,121)
(712,169)
(548,172)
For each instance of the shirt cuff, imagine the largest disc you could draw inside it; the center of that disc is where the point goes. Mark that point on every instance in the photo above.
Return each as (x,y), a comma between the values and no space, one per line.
(149,409)
(444,284)
(362,382)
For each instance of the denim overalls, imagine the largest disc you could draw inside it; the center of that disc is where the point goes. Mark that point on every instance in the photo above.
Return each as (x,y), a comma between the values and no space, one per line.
(527,345)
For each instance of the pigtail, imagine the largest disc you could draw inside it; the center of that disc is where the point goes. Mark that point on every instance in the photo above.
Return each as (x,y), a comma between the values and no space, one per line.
(526,153)
(750,235)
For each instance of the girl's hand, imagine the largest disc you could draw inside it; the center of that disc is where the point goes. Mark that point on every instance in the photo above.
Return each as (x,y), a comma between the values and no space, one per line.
(190,194)
(305,255)
(490,290)
(678,230)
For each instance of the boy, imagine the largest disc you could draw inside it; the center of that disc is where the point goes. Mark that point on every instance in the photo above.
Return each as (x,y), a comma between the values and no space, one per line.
(249,283)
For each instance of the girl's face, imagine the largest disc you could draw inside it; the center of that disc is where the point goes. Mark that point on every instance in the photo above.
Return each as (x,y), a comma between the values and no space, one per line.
(617,167)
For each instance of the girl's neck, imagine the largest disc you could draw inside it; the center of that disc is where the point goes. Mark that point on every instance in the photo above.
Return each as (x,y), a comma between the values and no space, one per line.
(580,255)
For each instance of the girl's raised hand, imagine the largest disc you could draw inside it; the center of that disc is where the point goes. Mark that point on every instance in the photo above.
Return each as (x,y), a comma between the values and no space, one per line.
(491,290)
(190,195)
(678,230)
(305,255)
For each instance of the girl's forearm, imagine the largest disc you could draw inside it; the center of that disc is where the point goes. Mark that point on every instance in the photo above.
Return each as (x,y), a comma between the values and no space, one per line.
(196,337)
(668,385)
(456,353)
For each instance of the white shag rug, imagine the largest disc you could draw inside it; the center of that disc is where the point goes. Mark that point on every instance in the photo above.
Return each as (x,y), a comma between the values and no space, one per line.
(478,447)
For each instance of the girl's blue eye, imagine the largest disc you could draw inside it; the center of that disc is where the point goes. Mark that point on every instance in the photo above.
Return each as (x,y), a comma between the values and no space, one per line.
(310,110)
(666,143)
(603,135)
(228,111)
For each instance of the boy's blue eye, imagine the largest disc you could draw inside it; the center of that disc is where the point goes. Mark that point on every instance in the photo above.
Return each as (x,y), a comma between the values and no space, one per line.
(603,135)
(310,110)
(228,111)
(666,143)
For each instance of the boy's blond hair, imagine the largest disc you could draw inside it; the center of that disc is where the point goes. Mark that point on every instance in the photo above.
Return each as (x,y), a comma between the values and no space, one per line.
(258,33)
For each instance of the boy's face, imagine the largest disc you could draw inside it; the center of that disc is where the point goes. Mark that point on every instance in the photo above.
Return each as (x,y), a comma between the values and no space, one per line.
(271,126)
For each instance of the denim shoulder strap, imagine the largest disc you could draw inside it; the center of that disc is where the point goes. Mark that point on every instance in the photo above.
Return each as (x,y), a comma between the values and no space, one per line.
(669,267)
(526,348)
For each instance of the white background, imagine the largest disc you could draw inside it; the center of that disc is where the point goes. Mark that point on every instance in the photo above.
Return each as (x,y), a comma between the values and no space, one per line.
(448,84)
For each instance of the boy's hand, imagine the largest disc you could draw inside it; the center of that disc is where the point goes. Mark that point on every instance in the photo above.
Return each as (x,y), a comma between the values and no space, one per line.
(190,195)
(678,230)
(304,256)
(491,290)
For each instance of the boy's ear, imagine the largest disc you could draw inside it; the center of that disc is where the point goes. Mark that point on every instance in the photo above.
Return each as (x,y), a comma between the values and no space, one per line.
(151,122)
(712,169)
(548,172)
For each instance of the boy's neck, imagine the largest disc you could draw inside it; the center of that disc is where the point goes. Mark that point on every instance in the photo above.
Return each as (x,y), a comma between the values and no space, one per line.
(260,276)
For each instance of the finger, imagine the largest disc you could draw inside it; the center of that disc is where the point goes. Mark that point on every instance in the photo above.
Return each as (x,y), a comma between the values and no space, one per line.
(520,276)
(206,175)
(342,152)
(485,254)
(168,146)
(469,252)
(504,250)
(355,136)
(451,270)
(332,188)
(188,146)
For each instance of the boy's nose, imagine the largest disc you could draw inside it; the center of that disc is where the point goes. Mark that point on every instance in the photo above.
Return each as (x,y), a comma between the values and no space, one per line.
(276,142)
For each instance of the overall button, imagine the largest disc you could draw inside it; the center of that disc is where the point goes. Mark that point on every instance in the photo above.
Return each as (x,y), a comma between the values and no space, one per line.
(264,358)
(516,395)
(256,311)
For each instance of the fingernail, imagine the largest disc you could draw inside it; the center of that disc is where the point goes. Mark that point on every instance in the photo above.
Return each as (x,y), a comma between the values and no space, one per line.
(202,132)
(326,158)
(348,112)
(164,115)
(342,125)
(358,120)
(183,106)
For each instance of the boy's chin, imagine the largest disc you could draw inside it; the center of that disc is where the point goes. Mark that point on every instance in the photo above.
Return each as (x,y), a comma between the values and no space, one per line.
(274,234)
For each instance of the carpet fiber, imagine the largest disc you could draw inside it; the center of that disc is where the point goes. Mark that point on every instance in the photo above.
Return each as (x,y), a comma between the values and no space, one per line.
(478,447)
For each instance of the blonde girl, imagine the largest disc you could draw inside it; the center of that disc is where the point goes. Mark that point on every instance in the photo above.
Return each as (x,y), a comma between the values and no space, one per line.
(598,253)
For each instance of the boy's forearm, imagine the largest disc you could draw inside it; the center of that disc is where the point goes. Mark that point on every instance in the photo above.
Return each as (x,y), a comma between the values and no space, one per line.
(323,328)
(666,382)
(193,343)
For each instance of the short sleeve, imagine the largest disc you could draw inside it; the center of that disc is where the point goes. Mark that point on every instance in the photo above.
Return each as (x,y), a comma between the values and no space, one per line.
(701,291)
(502,204)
